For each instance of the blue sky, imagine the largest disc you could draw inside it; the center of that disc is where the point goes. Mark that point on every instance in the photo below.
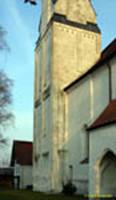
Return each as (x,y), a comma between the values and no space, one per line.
(21,22)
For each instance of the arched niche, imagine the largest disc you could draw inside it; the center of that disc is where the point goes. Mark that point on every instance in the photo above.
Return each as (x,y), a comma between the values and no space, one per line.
(107,170)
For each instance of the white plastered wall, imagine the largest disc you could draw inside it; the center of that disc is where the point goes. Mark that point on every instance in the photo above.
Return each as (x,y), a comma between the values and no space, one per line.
(86,100)
(101,140)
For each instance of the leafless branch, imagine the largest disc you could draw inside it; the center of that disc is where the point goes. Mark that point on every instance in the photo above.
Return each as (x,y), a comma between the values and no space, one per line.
(3,43)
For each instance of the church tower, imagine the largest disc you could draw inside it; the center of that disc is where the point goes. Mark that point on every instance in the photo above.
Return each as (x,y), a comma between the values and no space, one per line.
(69,44)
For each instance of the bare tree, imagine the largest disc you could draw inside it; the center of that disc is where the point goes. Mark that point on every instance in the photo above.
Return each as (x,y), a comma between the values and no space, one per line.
(5,92)
(3,43)
(5,98)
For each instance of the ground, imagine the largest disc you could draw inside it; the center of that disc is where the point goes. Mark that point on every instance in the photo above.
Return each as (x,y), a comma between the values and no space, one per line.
(23,195)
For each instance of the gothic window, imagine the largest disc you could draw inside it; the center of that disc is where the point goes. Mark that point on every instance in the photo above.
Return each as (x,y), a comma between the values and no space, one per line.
(46,162)
(70,173)
(44,55)
(40,71)
(43,119)
(49,56)
(46,117)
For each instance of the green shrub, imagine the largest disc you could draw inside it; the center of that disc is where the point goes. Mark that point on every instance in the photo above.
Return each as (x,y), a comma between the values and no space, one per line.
(69,188)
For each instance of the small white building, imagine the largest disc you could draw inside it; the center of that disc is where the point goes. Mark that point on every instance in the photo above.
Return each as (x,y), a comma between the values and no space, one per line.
(21,161)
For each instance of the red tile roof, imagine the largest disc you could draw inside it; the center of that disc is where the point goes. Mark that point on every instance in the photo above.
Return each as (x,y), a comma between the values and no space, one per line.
(21,153)
(108,116)
(106,54)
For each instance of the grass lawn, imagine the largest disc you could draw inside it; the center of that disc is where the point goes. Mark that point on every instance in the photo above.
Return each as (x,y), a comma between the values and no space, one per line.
(28,195)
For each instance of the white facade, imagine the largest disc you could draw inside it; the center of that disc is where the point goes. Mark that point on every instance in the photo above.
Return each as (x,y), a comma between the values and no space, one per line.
(26,177)
(62,113)
(102,152)
(22,176)
(86,101)
(102,141)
